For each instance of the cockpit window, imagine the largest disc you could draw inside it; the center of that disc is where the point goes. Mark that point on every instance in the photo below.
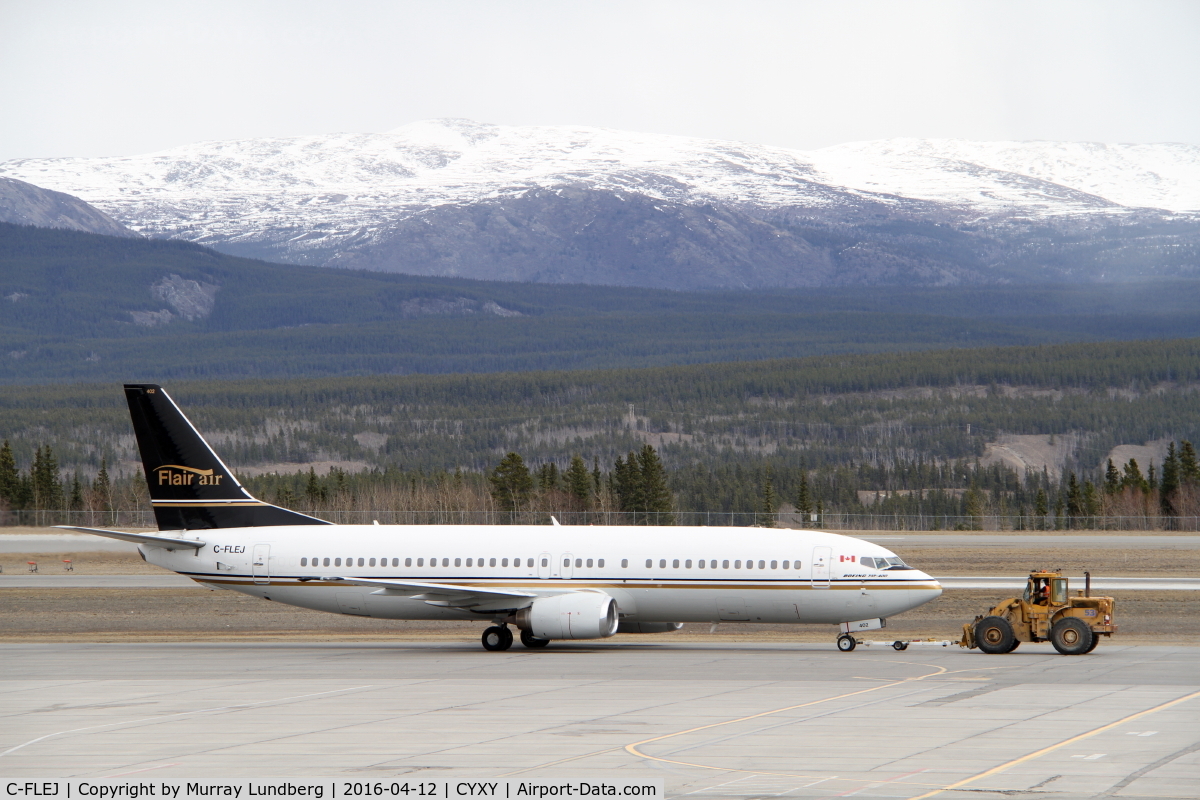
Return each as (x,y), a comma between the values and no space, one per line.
(891,563)
(867,561)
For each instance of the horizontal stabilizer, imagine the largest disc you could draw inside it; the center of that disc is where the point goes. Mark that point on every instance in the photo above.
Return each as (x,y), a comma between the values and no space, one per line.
(446,594)
(167,542)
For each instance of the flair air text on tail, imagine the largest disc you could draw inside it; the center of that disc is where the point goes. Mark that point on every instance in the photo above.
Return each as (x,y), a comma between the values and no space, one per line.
(560,582)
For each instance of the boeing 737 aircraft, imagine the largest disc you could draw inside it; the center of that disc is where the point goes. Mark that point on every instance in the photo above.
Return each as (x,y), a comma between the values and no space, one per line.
(550,582)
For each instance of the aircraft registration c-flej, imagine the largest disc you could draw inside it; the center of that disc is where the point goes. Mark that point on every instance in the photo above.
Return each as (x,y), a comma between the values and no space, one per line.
(550,582)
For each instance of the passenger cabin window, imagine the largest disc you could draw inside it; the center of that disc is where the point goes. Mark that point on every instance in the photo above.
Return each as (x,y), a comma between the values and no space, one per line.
(675,564)
(700,563)
(749,565)
(492,562)
(725,564)
(445,562)
(785,564)
(327,562)
(458,562)
(600,563)
(337,562)
(624,563)
(774,565)
(545,562)
(407,562)
(662,563)
(371,564)
(649,563)
(579,562)
(687,564)
(737,564)
(304,562)
(396,562)
(589,562)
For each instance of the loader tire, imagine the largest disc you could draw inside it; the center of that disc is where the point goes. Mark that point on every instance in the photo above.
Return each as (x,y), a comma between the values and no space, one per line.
(994,635)
(1016,643)
(1071,636)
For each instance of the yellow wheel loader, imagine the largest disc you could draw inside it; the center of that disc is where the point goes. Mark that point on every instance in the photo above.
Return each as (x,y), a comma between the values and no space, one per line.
(1046,612)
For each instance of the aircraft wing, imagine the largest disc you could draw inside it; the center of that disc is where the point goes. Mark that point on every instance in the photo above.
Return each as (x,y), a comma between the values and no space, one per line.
(445,594)
(166,542)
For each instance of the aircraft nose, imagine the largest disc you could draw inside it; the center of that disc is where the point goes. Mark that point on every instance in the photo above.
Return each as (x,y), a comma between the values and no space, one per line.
(931,589)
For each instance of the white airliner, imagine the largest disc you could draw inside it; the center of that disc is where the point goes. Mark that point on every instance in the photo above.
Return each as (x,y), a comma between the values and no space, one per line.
(550,582)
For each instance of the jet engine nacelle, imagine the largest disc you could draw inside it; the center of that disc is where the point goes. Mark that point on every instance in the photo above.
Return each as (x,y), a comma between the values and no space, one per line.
(649,627)
(577,615)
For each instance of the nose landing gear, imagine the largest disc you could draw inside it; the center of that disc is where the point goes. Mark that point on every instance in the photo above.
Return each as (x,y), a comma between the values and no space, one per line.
(846,643)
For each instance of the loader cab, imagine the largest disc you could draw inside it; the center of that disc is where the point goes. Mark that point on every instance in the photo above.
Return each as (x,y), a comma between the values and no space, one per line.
(1046,588)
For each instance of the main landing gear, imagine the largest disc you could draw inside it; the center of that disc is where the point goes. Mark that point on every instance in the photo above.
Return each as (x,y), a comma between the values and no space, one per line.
(499,637)
(531,641)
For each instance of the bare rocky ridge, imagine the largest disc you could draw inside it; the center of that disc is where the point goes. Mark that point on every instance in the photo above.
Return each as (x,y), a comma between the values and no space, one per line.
(189,300)
(25,204)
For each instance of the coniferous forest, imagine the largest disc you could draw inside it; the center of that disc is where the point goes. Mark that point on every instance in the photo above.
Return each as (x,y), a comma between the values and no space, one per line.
(895,440)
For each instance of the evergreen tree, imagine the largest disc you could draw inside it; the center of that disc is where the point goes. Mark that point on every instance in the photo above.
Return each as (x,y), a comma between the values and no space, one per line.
(511,483)
(656,497)
(1189,469)
(1041,507)
(1170,481)
(76,501)
(770,501)
(1133,478)
(1091,503)
(314,491)
(1112,479)
(973,509)
(579,482)
(102,487)
(1074,501)
(627,485)
(10,479)
(47,490)
(804,504)
(597,476)
(547,477)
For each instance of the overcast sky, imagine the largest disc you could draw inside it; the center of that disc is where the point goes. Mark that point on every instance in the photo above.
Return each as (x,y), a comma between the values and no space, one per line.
(123,77)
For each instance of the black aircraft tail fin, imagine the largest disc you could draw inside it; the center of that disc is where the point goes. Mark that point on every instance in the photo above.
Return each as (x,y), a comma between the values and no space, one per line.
(190,487)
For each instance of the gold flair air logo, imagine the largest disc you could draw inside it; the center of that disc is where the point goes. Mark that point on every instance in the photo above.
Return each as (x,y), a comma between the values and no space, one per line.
(175,475)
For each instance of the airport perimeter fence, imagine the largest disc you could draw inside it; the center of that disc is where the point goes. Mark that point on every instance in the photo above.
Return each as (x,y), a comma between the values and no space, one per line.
(831,521)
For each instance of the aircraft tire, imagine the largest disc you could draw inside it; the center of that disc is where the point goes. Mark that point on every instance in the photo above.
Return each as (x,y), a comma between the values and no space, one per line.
(531,641)
(497,637)
(994,635)
(846,643)
(1071,636)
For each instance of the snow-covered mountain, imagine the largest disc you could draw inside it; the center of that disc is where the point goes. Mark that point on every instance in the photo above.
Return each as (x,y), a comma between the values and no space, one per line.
(603,206)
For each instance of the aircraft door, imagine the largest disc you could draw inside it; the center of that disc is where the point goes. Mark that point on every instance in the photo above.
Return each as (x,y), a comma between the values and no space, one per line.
(568,566)
(822,556)
(545,560)
(260,564)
